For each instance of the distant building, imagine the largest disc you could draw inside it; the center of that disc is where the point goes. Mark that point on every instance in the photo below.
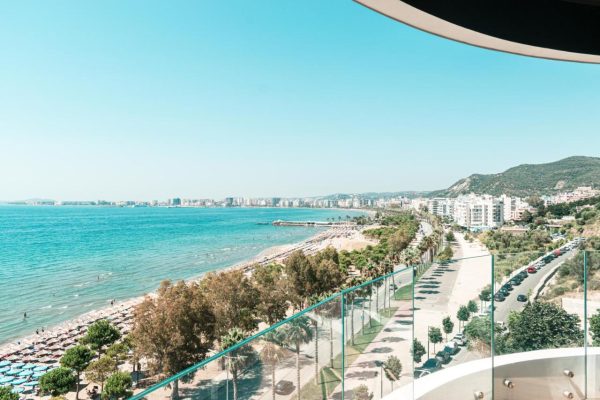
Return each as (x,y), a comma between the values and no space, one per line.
(175,202)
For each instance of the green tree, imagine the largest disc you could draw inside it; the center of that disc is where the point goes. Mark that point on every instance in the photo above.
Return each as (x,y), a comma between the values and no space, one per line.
(233,300)
(527,217)
(77,358)
(118,352)
(393,369)
(417,350)
(448,326)
(485,295)
(57,381)
(236,359)
(272,354)
(101,333)
(435,336)
(472,306)
(595,328)
(311,276)
(185,310)
(118,386)
(446,254)
(543,326)
(397,242)
(270,285)
(7,394)
(362,393)
(450,237)
(298,332)
(100,369)
(463,315)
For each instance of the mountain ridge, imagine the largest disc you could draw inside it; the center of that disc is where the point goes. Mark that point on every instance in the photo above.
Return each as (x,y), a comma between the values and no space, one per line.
(529,179)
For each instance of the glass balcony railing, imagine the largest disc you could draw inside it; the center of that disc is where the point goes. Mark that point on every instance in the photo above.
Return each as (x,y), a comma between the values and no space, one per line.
(500,326)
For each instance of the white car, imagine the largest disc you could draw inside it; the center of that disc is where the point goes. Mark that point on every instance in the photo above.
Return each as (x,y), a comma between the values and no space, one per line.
(460,339)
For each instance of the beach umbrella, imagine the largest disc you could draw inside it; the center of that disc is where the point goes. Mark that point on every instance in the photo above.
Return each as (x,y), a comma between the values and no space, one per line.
(6,379)
(28,366)
(18,382)
(18,365)
(4,369)
(18,390)
(37,375)
(31,383)
(26,373)
(40,368)
(4,363)
(12,372)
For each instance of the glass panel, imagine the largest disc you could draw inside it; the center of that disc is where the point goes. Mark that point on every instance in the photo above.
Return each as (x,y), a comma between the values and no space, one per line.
(315,341)
(303,352)
(446,303)
(539,323)
(592,261)
(378,337)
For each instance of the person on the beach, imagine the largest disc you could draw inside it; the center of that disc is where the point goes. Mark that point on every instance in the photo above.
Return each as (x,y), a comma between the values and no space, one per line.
(24,315)
(37,331)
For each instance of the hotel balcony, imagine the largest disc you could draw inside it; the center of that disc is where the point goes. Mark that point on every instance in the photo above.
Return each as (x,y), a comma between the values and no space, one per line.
(534,342)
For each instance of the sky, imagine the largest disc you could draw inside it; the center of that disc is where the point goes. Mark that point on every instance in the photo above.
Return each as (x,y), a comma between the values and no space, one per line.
(149,100)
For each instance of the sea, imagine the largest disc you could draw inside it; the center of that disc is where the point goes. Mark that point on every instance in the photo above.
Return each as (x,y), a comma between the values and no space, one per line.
(57,263)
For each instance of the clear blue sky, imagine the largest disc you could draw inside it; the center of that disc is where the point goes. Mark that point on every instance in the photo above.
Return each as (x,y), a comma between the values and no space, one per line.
(149,100)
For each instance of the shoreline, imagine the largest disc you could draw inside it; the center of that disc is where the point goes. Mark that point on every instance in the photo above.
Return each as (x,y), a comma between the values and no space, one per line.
(348,236)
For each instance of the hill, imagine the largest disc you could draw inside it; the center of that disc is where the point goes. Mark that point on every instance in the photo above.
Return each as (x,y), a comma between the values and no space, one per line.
(529,179)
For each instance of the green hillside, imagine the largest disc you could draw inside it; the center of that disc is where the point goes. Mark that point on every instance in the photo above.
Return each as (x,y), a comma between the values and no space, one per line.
(528,179)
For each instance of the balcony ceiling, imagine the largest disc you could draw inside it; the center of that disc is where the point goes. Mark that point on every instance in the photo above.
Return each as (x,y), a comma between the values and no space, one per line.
(556,29)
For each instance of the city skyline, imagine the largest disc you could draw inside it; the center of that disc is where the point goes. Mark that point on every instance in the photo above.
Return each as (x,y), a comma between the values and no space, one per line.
(299,99)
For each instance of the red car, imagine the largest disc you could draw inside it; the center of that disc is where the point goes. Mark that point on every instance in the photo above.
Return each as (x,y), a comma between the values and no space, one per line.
(531,270)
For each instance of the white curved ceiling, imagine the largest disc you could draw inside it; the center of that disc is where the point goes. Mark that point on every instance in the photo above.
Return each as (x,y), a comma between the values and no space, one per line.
(400,11)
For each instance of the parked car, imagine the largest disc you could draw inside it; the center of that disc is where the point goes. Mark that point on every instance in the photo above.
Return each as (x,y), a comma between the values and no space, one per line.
(522,298)
(451,348)
(432,364)
(531,270)
(460,339)
(516,281)
(499,297)
(284,387)
(507,286)
(523,274)
(419,373)
(443,357)
(505,292)
(557,253)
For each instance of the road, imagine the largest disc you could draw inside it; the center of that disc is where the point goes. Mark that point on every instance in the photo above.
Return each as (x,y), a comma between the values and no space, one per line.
(526,287)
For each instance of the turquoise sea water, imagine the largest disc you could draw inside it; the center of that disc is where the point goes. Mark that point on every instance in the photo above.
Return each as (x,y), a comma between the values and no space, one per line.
(59,262)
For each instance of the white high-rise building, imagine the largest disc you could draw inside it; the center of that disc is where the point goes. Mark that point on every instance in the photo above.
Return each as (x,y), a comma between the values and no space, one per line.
(442,207)
(479,212)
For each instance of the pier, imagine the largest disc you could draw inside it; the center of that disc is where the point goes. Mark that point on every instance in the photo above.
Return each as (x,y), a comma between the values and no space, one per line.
(312,223)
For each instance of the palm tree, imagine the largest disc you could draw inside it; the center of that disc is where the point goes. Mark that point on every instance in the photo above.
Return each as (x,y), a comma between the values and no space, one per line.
(272,353)
(297,332)
(354,281)
(236,359)
(330,310)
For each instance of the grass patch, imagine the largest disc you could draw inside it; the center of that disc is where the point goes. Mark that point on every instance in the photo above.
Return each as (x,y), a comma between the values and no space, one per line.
(406,292)
(328,381)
